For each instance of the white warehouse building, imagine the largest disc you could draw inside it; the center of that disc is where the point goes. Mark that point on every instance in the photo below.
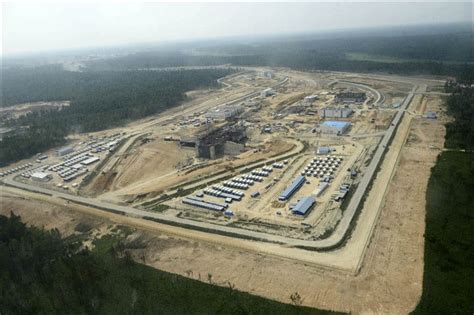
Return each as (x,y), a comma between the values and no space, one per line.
(334,127)
(224,112)
(41,177)
(64,150)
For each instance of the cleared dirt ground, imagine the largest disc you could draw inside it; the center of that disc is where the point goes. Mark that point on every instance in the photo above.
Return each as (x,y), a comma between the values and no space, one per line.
(391,276)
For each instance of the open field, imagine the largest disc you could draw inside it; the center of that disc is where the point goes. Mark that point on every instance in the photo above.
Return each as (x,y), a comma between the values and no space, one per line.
(354,252)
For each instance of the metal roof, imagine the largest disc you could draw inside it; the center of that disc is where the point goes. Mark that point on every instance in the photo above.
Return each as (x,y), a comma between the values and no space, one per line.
(290,190)
(324,149)
(303,205)
(337,124)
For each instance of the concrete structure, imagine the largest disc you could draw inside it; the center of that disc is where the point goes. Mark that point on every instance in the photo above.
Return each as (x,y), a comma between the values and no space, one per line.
(188,142)
(224,112)
(215,143)
(64,150)
(233,148)
(290,190)
(304,206)
(334,127)
(334,112)
(41,177)
(350,97)
(267,92)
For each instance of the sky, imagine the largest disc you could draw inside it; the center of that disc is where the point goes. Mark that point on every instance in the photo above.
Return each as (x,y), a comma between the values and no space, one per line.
(31,28)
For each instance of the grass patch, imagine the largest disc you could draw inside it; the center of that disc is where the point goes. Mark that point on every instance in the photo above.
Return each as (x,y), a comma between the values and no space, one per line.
(160,208)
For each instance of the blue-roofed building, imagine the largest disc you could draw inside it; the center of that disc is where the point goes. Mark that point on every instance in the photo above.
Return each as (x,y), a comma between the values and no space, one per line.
(290,190)
(324,150)
(335,127)
(304,206)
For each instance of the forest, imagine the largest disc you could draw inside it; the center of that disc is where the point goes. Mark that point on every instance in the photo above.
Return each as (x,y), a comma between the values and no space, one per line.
(43,273)
(448,280)
(460,105)
(99,100)
(433,54)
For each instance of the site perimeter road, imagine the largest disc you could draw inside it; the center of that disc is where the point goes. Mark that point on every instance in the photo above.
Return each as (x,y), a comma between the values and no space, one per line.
(380,97)
(201,107)
(336,238)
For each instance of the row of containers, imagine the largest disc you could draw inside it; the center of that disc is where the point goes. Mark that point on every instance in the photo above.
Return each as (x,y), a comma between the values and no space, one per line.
(74,166)
(16,169)
(230,190)
(31,171)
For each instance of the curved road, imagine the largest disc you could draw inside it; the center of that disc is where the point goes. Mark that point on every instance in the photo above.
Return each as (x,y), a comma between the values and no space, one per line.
(336,238)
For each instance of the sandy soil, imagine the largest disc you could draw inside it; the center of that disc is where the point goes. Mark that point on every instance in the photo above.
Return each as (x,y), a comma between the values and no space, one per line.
(150,160)
(391,275)
(21,109)
(147,183)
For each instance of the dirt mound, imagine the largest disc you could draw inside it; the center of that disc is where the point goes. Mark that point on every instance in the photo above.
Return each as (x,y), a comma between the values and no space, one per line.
(150,160)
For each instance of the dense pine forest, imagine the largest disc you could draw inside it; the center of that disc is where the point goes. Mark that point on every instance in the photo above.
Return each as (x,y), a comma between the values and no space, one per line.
(99,100)
(448,280)
(42,273)
(433,54)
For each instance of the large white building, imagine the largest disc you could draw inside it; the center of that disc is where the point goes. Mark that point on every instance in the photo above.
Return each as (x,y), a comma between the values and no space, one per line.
(64,150)
(41,177)
(224,112)
(334,127)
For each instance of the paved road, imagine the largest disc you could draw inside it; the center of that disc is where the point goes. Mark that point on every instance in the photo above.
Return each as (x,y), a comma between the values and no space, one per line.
(336,238)
(298,148)
(380,97)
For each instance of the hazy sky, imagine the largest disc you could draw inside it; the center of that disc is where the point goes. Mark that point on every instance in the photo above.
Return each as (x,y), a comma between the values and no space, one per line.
(49,26)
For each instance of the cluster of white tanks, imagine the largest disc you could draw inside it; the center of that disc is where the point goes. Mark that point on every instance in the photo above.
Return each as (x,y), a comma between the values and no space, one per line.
(260,173)
(241,180)
(322,166)
(228,190)
(16,169)
(254,178)
(232,184)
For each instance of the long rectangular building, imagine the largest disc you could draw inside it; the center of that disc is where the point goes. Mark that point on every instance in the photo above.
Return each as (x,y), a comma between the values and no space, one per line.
(303,206)
(334,127)
(290,190)
(334,112)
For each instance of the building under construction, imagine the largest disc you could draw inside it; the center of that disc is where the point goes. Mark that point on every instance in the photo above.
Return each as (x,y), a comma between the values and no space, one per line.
(227,140)
(350,97)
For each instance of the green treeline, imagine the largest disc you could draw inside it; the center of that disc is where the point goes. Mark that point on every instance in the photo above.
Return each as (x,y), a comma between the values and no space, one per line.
(99,100)
(41,273)
(441,54)
(448,282)
(460,105)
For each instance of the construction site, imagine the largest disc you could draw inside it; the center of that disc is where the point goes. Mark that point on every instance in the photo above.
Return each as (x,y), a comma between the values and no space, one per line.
(294,166)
